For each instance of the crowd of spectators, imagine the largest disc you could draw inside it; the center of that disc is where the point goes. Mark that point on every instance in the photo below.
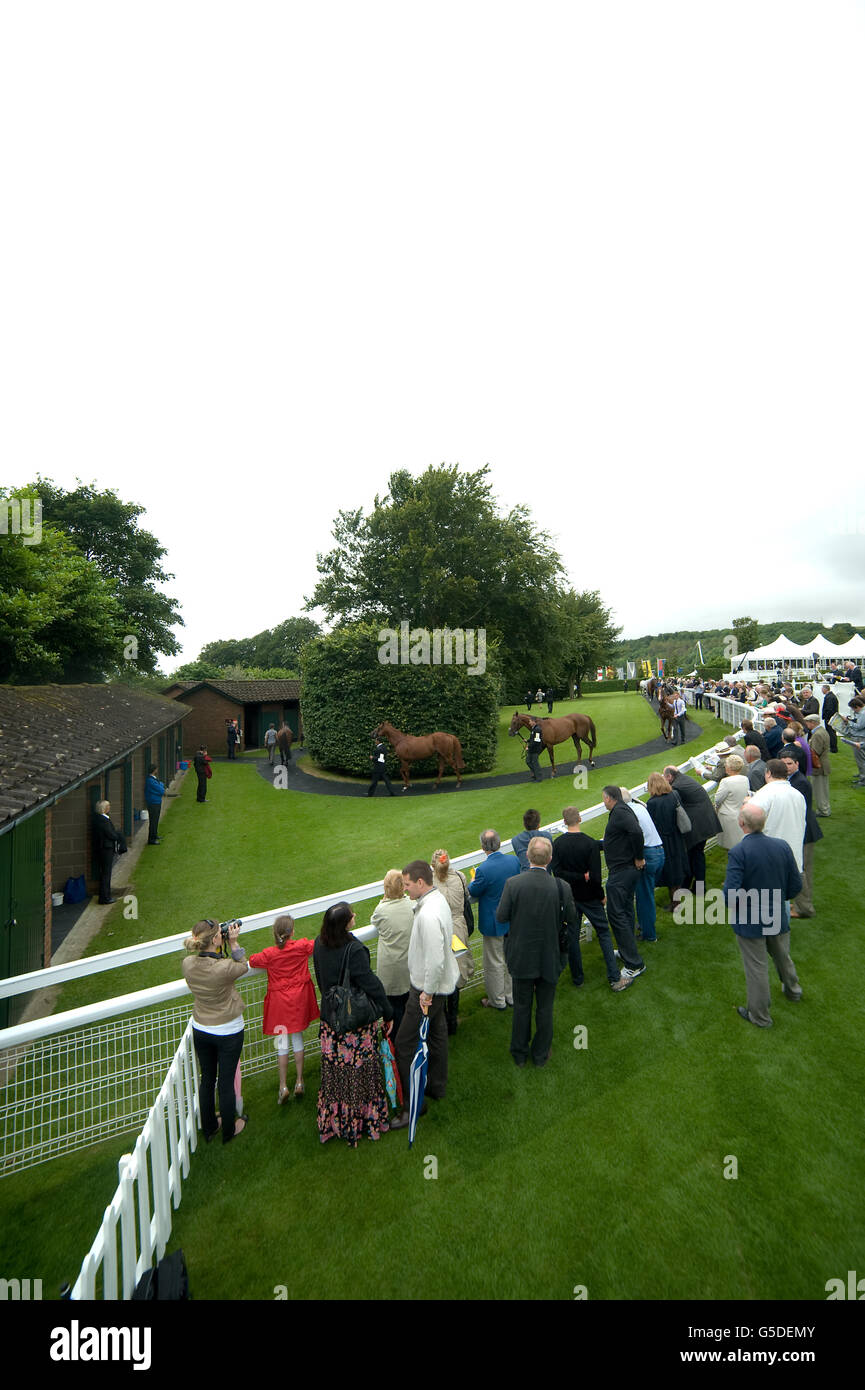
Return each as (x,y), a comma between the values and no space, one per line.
(772,790)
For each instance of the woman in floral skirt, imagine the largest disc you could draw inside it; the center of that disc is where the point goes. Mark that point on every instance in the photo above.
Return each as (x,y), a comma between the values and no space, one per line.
(352,1099)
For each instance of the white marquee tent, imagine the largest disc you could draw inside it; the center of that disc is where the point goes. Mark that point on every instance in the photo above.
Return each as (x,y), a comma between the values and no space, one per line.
(810,656)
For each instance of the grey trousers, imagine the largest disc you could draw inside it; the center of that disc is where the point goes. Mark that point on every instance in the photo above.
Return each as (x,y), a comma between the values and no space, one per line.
(820,784)
(755,957)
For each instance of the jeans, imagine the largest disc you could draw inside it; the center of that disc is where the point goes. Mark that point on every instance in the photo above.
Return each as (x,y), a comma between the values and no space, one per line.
(621,885)
(218,1057)
(645,890)
(597,918)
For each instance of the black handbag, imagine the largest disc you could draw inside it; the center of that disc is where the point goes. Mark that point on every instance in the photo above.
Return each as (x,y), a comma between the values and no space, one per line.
(345,1008)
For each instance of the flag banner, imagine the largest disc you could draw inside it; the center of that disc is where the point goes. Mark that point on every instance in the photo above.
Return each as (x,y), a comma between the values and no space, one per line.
(660,665)
(632,670)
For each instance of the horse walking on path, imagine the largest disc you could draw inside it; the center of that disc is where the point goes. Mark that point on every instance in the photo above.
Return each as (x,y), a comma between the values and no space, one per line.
(285,738)
(411,748)
(559,730)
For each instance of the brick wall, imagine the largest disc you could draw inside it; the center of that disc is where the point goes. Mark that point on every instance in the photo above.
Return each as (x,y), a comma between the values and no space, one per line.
(205,722)
(70,837)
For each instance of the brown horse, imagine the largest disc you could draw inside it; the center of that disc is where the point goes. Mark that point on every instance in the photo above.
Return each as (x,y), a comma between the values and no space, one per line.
(412,749)
(285,738)
(559,730)
(666,713)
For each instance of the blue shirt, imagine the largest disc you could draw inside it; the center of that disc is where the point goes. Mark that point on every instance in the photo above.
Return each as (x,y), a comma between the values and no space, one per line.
(487,887)
(154,791)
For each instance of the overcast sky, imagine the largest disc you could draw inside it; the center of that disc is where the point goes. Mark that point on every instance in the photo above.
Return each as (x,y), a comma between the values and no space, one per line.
(255,258)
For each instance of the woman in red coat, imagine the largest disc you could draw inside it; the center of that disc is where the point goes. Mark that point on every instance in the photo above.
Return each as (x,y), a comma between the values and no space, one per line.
(290,1005)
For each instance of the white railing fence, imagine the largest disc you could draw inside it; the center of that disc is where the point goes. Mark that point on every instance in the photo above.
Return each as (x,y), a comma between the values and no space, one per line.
(75,1078)
(131,1235)
(161,1158)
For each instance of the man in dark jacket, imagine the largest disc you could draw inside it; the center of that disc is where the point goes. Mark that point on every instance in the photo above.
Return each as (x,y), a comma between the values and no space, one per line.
(803,906)
(534,905)
(577,860)
(201,763)
(107,841)
(761,876)
(753,736)
(704,824)
(830,707)
(772,734)
(534,749)
(623,847)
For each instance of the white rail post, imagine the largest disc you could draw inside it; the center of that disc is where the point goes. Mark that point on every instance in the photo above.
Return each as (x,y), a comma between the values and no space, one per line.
(128,1245)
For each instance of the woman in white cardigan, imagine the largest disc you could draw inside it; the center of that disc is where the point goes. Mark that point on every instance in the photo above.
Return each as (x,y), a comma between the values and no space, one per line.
(393,919)
(729,799)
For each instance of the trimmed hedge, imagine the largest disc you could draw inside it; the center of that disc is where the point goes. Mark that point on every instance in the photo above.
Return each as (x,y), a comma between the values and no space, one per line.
(348,691)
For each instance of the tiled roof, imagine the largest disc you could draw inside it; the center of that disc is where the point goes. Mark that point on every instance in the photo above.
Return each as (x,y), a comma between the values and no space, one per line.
(53,736)
(245,692)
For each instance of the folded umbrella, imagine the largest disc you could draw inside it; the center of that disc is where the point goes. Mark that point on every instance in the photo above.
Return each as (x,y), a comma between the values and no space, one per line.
(417,1078)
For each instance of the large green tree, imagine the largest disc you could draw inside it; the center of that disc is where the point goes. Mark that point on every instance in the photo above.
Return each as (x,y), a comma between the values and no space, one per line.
(584,636)
(105,530)
(60,620)
(436,551)
(274,648)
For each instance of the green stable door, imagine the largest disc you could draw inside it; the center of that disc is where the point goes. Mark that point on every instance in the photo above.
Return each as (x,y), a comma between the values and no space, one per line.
(22,907)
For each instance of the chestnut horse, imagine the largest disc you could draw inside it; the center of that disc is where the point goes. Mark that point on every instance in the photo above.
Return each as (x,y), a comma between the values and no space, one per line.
(559,730)
(285,738)
(412,749)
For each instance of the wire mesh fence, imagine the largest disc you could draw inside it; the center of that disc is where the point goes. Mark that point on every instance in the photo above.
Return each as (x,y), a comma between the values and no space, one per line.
(71,1090)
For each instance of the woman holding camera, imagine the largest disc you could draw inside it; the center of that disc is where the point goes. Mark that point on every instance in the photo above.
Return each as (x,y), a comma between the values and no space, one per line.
(217,1022)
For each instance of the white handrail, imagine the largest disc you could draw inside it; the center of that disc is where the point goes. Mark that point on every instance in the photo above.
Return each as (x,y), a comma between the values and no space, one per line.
(177,1106)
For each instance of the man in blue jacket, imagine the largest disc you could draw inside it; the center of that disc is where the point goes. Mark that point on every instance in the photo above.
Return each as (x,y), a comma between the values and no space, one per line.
(761,877)
(154,791)
(487,887)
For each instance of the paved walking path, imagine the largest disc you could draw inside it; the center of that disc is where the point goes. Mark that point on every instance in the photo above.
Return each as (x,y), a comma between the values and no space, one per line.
(301,781)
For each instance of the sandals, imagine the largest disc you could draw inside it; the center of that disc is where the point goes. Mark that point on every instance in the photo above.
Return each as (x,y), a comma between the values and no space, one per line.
(283,1096)
(298,1091)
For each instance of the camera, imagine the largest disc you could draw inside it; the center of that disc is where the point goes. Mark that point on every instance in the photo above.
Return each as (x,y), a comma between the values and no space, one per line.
(225,928)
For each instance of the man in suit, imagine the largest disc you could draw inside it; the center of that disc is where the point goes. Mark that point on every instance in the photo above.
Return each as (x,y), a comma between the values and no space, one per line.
(761,876)
(818,741)
(808,701)
(534,905)
(830,707)
(107,841)
(623,848)
(486,888)
(704,824)
(755,768)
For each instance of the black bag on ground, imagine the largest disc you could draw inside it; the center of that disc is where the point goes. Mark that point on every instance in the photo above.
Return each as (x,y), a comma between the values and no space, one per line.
(167,1281)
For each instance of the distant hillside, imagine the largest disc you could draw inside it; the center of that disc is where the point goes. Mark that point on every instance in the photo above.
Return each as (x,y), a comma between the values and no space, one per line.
(680,648)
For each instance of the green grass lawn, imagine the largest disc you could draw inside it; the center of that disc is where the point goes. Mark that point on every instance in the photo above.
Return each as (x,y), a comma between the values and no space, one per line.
(605,1169)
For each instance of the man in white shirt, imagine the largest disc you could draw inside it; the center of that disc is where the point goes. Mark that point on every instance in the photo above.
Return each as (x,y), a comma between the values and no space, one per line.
(680,716)
(785,808)
(644,895)
(433,974)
